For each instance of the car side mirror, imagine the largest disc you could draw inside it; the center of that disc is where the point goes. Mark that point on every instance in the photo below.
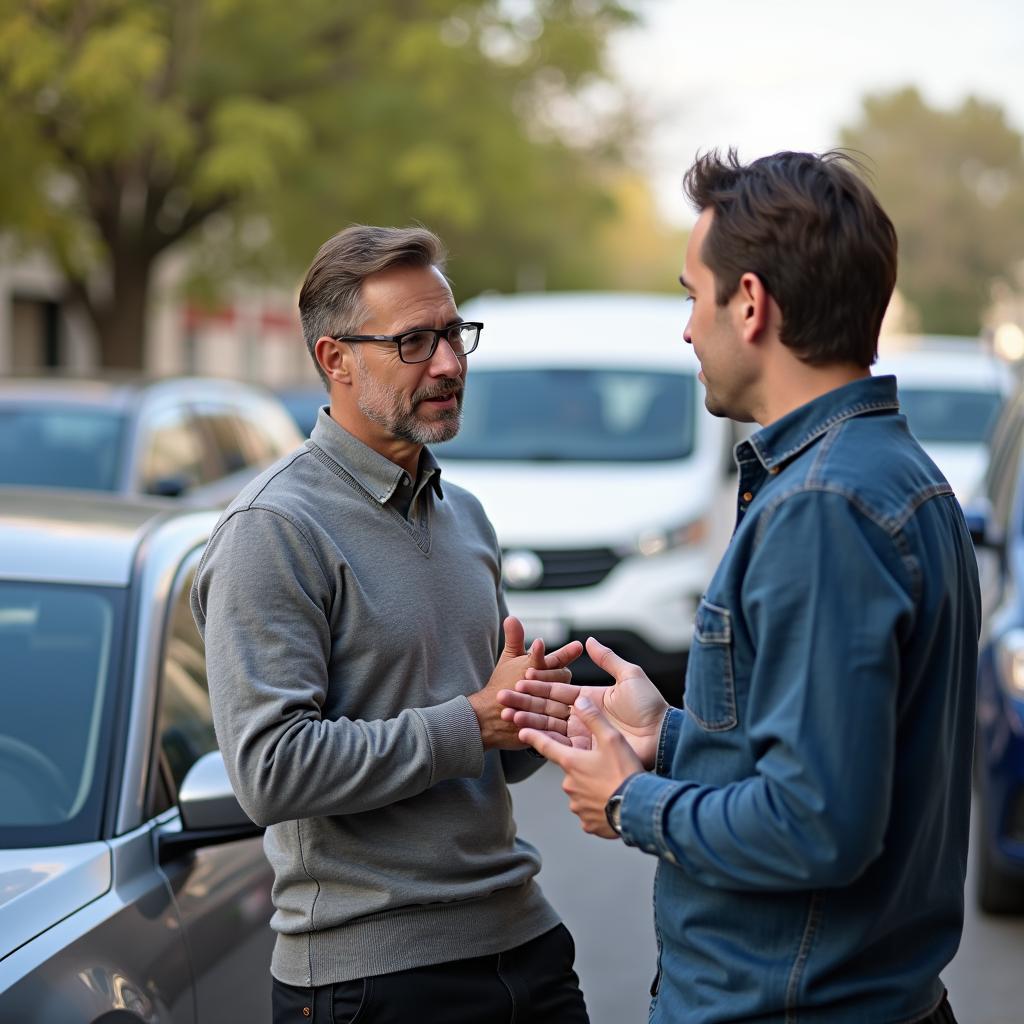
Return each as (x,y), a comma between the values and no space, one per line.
(168,486)
(210,812)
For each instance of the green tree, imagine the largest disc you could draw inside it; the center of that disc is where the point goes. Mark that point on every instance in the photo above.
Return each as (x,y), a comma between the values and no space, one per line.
(953,183)
(246,131)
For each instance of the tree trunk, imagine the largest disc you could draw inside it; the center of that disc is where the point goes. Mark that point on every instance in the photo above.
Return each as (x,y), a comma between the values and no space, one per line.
(122,320)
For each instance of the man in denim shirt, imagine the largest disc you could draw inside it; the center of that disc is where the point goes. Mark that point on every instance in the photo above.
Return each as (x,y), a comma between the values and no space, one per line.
(809,808)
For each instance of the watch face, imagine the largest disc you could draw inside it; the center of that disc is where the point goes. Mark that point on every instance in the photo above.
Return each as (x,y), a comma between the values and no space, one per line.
(613,812)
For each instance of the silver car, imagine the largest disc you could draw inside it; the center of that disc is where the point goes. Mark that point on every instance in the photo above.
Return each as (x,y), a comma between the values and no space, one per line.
(195,438)
(132,886)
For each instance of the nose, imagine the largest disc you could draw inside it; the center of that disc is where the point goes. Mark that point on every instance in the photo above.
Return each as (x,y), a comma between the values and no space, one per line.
(444,362)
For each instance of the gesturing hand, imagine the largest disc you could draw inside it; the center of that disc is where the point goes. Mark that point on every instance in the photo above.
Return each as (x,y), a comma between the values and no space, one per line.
(633,706)
(513,663)
(591,774)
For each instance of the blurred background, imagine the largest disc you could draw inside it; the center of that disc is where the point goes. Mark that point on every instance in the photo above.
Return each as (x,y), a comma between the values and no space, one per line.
(170,167)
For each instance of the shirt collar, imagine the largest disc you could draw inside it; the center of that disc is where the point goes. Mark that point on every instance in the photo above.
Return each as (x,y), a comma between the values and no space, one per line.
(779,442)
(376,473)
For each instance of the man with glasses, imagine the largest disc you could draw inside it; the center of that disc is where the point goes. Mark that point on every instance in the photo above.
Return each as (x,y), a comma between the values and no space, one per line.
(352,610)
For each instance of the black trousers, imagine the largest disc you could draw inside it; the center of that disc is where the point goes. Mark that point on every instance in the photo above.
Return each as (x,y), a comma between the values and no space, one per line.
(942,1014)
(531,984)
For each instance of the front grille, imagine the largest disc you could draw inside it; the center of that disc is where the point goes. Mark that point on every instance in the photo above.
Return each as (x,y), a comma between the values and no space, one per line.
(576,567)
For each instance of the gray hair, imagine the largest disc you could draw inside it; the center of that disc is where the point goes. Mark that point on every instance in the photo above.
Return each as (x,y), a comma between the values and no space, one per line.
(331,299)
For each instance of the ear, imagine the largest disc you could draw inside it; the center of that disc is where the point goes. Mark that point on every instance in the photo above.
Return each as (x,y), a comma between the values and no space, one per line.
(754,307)
(335,359)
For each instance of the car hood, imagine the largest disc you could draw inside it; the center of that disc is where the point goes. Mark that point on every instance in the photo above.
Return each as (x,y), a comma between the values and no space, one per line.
(963,465)
(549,505)
(42,886)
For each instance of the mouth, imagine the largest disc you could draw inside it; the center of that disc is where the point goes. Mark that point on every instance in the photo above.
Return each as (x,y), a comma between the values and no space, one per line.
(446,401)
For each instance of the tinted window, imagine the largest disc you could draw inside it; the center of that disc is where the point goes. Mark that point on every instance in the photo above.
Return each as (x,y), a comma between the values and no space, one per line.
(172,453)
(575,415)
(185,722)
(950,416)
(58,652)
(1004,466)
(60,447)
(229,437)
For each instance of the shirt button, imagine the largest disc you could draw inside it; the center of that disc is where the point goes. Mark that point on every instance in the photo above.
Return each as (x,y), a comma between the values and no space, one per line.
(774,471)
(747,496)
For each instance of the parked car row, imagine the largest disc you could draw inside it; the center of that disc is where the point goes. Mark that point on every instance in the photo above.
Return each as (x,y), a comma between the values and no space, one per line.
(131,883)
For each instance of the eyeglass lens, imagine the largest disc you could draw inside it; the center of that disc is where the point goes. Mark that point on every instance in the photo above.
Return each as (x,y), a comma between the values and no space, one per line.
(419,346)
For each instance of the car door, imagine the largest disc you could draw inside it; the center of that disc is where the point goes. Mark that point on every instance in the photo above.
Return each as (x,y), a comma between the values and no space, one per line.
(223,891)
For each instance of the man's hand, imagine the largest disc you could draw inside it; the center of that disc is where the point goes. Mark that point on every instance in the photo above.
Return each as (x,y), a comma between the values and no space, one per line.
(633,705)
(593,774)
(514,662)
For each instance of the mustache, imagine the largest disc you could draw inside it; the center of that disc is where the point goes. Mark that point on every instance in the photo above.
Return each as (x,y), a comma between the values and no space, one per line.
(444,387)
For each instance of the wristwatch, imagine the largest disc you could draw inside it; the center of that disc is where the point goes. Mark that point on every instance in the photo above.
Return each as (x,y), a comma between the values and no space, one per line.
(613,809)
(613,812)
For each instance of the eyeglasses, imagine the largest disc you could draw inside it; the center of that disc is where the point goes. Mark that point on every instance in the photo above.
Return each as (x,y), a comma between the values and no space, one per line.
(420,345)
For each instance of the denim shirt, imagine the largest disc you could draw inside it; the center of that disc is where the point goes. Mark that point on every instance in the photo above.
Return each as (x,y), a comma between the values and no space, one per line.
(809,807)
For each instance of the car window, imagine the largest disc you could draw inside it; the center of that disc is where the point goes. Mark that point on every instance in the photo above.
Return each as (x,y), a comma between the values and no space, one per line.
(1004,467)
(950,415)
(228,433)
(562,414)
(172,452)
(61,447)
(184,718)
(270,429)
(58,665)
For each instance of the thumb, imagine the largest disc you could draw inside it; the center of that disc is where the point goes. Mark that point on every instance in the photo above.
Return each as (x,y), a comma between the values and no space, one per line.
(606,659)
(514,638)
(537,654)
(599,726)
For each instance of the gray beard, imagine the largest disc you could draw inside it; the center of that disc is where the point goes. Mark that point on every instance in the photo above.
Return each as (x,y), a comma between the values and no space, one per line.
(384,405)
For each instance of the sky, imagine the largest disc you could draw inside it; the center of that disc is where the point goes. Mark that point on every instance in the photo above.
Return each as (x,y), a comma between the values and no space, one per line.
(767,75)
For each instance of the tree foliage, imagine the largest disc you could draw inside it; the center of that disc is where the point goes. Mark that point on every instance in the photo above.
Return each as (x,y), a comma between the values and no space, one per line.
(953,183)
(247,131)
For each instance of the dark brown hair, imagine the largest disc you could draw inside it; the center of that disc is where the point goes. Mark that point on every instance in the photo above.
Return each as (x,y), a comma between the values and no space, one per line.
(816,236)
(331,299)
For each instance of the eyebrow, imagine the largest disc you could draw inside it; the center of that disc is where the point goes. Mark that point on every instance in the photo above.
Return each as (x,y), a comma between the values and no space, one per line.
(686,284)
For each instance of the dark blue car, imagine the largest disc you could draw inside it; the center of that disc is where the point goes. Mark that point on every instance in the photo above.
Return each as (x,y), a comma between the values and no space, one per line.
(996,517)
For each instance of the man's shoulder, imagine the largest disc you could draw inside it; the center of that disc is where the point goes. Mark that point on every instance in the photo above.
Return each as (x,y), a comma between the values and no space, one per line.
(285,488)
(877,464)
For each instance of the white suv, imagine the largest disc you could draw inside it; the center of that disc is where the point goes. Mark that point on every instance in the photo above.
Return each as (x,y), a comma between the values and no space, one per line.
(611,489)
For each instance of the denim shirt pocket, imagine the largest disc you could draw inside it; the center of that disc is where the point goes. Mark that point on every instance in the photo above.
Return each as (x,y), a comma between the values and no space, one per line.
(710,694)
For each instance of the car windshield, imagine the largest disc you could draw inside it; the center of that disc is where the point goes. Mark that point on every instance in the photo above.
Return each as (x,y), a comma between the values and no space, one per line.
(58,649)
(950,415)
(60,447)
(575,415)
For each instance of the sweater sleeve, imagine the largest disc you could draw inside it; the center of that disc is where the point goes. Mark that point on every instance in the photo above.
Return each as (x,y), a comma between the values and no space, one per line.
(262,602)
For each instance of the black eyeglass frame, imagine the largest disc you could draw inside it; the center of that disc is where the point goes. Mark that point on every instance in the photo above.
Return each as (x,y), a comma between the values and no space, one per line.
(437,332)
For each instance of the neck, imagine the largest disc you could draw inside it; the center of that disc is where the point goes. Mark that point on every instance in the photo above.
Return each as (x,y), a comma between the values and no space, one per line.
(402,453)
(791,383)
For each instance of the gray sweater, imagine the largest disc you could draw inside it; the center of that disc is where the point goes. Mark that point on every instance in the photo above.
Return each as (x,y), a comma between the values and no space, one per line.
(347,611)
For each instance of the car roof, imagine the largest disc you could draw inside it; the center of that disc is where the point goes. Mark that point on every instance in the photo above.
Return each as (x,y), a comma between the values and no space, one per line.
(119,393)
(956,364)
(70,537)
(617,329)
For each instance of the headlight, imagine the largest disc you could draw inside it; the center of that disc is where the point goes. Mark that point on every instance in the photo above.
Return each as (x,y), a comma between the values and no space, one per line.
(1010,657)
(657,542)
